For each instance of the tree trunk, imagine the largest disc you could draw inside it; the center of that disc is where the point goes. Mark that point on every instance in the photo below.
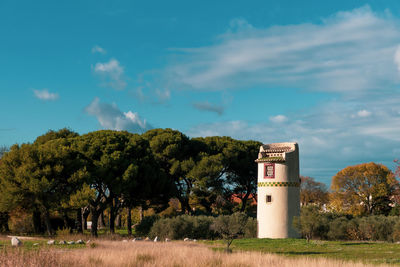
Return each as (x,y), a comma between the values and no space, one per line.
(4,222)
(85,214)
(129,221)
(112,219)
(101,222)
(95,218)
(37,222)
(140,213)
(78,222)
(244,202)
(46,216)
(118,223)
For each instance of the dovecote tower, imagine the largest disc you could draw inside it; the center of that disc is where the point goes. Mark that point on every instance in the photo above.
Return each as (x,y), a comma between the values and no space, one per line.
(278,196)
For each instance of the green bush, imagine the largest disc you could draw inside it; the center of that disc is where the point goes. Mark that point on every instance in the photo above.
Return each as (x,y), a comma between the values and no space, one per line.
(338,229)
(376,227)
(250,230)
(312,223)
(195,227)
(143,228)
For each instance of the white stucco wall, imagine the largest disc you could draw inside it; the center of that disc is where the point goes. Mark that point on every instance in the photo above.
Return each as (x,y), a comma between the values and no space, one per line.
(275,218)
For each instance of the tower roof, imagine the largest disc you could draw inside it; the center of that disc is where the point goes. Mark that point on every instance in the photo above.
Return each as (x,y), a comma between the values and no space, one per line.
(275,152)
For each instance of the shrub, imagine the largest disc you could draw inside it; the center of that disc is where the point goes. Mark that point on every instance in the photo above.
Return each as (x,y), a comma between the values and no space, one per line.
(376,227)
(143,228)
(338,229)
(396,231)
(230,227)
(250,230)
(195,227)
(311,223)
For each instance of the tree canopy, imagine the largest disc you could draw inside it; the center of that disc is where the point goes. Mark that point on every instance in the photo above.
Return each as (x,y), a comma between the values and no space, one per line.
(363,189)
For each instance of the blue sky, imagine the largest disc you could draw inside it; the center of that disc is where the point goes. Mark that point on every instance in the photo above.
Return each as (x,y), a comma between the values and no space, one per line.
(324,74)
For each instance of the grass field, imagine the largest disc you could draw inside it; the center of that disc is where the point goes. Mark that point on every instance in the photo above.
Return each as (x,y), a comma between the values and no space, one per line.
(146,254)
(367,252)
(247,252)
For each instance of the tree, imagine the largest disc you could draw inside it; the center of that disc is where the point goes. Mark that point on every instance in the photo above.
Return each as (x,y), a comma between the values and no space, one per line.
(363,189)
(312,192)
(4,216)
(174,153)
(52,135)
(230,227)
(121,165)
(40,177)
(310,223)
(242,171)
(209,172)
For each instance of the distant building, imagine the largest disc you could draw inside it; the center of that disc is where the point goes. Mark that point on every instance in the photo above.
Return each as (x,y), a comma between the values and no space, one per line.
(278,196)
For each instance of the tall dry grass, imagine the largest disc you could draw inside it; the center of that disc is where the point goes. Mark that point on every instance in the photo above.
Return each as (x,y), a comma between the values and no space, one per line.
(174,254)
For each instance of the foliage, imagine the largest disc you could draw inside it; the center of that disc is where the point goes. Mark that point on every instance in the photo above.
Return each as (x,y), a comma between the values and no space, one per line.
(230,227)
(143,228)
(32,176)
(184,226)
(363,189)
(312,192)
(311,223)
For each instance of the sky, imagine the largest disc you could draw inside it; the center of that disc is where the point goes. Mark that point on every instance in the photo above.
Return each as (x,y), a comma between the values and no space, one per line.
(325,74)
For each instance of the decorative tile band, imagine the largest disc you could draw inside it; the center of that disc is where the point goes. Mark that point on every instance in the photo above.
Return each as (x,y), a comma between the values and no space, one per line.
(279,184)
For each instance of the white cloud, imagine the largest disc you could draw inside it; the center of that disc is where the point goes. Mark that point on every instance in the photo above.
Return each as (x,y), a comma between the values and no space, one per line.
(110,117)
(363,113)
(207,106)
(112,73)
(350,52)
(278,118)
(98,49)
(163,95)
(45,95)
(329,139)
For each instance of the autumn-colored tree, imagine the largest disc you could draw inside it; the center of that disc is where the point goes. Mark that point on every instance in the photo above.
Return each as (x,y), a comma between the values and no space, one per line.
(312,192)
(363,189)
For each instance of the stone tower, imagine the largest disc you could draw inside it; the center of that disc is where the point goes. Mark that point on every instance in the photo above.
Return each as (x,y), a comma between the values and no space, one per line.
(278,196)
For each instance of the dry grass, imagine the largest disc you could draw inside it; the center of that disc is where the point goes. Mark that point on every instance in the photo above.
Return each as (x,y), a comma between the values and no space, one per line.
(174,254)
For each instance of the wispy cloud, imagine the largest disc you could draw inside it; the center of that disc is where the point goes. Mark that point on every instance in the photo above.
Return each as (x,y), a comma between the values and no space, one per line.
(278,118)
(350,52)
(330,137)
(45,95)
(112,73)
(207,106)
(111,117)
(98,49)
(163,95)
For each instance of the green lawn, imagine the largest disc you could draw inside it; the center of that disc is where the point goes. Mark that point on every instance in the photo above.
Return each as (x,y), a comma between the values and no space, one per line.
(367,252)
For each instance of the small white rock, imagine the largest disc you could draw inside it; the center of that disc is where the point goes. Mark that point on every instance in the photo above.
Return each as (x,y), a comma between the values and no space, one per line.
(167,239)
(124,240)
(15,242)
(62,242)
(36,244)
(156,239)
(194,240)
(186,239)
(71,243)
(147,239)
(80,241)
(51,242)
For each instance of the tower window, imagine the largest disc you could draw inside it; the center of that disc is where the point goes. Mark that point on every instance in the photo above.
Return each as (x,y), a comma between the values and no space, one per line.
(268,198)
(269,170)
